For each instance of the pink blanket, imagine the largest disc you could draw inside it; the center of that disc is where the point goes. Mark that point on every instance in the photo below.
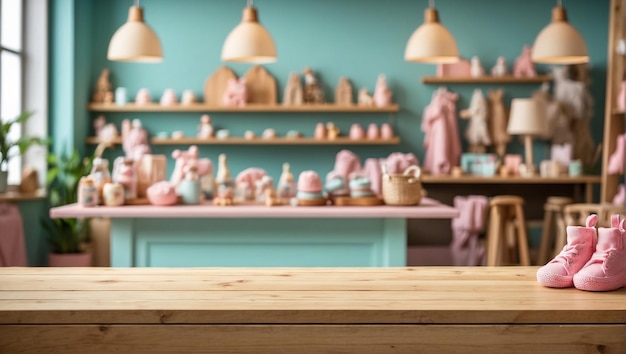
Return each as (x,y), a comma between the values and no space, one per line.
(466,249)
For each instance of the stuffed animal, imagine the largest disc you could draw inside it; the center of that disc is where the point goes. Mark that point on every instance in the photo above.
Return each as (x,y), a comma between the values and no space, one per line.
(293,91)
(236,93)
(313,92)
(499,69)
(205,128)
(476,69)
(346,163)
(477,132)
(187,159)
(523,65)
(134,140)
(247,182)
(559,122)
(382,94)
(103,88)
(364,98)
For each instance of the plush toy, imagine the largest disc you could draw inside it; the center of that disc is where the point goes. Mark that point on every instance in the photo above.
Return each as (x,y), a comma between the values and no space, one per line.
(247,181)
(205,129)
(523,65)
(382,94)
(236,93)
(105,131)
(477,132)
(476,69)
(313,92)
(346,162)
(364,98)
(187,159)
(134,140)
(293,91)
(286,185)
(500,68)
(103,88)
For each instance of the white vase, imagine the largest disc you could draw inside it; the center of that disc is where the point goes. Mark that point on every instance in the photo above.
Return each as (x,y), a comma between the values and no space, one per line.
(4,175)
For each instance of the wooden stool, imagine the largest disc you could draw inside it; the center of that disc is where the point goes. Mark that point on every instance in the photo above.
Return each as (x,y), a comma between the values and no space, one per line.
(553,230)
(506,220)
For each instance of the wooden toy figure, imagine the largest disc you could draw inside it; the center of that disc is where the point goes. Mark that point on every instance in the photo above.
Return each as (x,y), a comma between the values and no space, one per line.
(205,129)
(103,87)
(343,92)
(364,98)
(500,68)
(477,133)
(313,92)
(293,91)
(476,70)
(499,121)
(332,131)
(523,65)
(286,184)
(382,94)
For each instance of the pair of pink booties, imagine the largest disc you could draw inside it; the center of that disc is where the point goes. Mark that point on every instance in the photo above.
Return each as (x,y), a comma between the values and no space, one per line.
(587,264)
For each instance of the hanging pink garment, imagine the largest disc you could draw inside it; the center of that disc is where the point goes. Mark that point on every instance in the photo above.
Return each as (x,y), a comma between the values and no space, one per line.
(441,140)
(12,245)
(616,160)
(465,248)
(396,162)
(620,196)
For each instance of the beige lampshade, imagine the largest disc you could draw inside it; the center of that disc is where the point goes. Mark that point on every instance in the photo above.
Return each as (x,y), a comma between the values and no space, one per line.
(249,42)
(135,41)
(559,42)
(527,117)
(431,42)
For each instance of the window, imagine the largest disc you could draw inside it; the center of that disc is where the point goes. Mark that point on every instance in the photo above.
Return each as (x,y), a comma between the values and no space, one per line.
(23,76)
(11,71)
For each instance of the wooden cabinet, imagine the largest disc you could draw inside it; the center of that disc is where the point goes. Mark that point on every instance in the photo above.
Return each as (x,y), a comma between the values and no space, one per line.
(613,117)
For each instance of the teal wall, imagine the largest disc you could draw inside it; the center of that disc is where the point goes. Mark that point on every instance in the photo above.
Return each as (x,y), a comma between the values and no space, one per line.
(357,39)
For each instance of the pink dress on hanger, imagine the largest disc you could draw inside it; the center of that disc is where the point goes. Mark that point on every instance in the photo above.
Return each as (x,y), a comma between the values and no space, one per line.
(441,140)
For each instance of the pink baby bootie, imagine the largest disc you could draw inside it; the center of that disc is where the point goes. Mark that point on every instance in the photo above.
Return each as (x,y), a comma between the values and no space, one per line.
(605,270)
(559,272)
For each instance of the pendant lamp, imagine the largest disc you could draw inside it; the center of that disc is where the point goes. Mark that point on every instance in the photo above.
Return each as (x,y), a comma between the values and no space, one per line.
(135,41)
(559,42)
(431,42)
(249,42)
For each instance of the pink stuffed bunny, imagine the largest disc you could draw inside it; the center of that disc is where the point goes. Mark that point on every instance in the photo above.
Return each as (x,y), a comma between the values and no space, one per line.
(523,65)
(382,94)
(187,159)
(236,93)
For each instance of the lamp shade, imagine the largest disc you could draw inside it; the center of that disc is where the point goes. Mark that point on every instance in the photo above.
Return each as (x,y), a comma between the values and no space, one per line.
(527,117)
(431,42)
(135,41)
(559,42)
(249,42)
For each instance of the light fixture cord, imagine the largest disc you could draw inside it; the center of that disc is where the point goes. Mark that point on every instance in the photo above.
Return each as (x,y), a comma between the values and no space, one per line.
(137,3)
(431,4)
(250,3)
(559,3)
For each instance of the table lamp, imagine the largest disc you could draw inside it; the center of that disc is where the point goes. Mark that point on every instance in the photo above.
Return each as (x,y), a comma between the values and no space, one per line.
(528,119)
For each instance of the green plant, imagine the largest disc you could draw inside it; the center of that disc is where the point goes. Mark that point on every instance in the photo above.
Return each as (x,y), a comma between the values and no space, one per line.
(7,145)
(64,173)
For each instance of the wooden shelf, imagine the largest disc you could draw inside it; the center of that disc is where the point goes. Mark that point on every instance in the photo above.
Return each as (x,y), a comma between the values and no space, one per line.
(93,140)
(199,107)
(510,180)
(486,80)
(617,112)
(260,141)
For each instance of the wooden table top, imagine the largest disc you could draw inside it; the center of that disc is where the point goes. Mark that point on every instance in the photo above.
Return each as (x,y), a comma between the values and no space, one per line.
(428,208)
(458,295)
